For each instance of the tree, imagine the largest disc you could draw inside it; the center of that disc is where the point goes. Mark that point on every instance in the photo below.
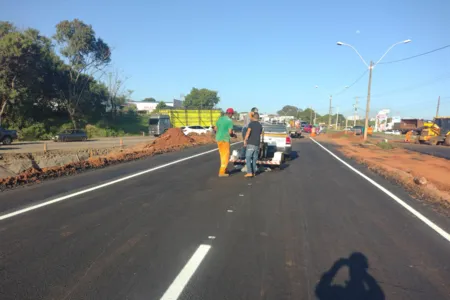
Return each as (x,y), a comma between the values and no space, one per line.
(149,100)
(201,98)
(161,105)
(289,110)
(116,90)
(24,62)
(308,115)
(85,55)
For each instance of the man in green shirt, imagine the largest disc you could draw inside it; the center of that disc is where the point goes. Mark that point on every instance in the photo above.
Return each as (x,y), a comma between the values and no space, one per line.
(224,132)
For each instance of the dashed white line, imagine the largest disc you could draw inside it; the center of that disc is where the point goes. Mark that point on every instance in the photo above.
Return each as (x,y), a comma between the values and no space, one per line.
(56,200)
(421,217)
(178,285)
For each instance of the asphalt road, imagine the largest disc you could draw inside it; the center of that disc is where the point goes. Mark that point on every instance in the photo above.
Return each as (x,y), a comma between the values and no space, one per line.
(38,146)
(288,234)
(438,151)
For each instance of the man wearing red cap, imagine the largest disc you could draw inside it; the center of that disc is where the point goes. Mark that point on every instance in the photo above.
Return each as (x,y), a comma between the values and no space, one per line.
(224,131)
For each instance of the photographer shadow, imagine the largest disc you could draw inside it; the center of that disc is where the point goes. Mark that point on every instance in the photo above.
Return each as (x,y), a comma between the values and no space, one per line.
(361,285)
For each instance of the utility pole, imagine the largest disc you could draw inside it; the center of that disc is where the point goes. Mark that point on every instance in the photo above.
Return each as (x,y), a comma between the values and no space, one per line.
(437,109)
(337,117)
(329,113)
(366,124)
(310,118)
(356,112)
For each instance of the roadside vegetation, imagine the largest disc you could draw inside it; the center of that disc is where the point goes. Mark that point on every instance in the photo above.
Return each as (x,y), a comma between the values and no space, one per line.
(66,81)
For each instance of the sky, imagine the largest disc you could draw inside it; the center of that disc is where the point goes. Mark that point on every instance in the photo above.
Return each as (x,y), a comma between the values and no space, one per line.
(268,53)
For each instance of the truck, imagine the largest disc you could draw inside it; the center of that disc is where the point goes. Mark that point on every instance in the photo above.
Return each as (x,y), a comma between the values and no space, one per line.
(192,117)
(406,125)
(158,124)
(436,134)
(275,147)
(294,129)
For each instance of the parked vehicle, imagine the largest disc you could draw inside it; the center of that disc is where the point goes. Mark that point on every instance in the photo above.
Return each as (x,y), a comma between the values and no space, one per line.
(308,128)
(71,135)
(358,130)
(7,136)
(393,132)
(275,147)
(276,137)
(158,124)
(303,124)
(194,129)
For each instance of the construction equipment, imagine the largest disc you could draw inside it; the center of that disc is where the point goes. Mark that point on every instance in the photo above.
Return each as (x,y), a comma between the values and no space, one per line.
(436,133)
(275,147)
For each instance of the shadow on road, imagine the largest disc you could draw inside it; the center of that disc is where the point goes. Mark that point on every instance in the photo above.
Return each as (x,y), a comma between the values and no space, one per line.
(361,285)
(7,148)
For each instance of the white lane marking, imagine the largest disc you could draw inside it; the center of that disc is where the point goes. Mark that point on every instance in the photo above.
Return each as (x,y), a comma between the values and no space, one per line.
(33,207)
(178,285)
(421,217)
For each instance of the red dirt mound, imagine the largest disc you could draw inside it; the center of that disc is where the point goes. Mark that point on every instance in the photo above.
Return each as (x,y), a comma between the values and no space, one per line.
(172,140)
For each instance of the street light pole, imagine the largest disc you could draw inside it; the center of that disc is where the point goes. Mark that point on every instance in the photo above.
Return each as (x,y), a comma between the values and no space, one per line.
(329,113)
(371,66)
(337,117)
(366,124)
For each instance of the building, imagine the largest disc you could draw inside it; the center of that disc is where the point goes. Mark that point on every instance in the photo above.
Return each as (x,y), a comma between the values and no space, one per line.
(148,107)
(353,118)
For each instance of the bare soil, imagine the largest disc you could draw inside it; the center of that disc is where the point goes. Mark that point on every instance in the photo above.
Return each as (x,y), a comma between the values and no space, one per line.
(173,140)
(405,167)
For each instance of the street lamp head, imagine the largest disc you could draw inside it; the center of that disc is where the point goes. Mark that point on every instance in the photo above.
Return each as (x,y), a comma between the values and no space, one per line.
(407,41)
(340,43)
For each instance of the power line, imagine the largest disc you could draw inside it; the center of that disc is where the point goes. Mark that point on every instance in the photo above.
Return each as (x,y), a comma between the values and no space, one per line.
(413,87)
(411,57)
(355,82)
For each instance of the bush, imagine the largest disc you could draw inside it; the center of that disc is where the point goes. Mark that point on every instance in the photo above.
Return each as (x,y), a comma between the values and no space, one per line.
(33,132)
(385,145)
(65,126)
(97,131)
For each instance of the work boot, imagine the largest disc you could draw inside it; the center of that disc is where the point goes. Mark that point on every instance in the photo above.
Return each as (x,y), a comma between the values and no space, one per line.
(248,175)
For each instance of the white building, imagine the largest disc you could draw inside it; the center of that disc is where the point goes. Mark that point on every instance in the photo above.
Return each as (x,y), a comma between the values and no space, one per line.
(148,107)
(353,118)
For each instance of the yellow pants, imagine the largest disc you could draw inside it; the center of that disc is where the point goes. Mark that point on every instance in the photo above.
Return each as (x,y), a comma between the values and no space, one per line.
(224,150)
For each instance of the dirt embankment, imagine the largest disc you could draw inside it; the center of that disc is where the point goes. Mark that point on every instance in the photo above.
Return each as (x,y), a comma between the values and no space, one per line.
(172,140)
(424,176)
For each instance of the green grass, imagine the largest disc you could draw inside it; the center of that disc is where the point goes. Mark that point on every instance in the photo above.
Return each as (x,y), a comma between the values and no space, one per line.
(385,146)
(131,125)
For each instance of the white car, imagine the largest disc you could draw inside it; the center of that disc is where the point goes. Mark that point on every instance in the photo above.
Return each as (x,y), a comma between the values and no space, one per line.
(194,129)
(209,129)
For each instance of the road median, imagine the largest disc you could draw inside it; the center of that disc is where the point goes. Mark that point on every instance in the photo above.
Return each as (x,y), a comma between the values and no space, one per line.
(33,170)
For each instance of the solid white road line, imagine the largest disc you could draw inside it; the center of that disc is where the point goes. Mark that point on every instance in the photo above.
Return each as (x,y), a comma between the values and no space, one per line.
(178,285)
(421,217)
(46,203)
